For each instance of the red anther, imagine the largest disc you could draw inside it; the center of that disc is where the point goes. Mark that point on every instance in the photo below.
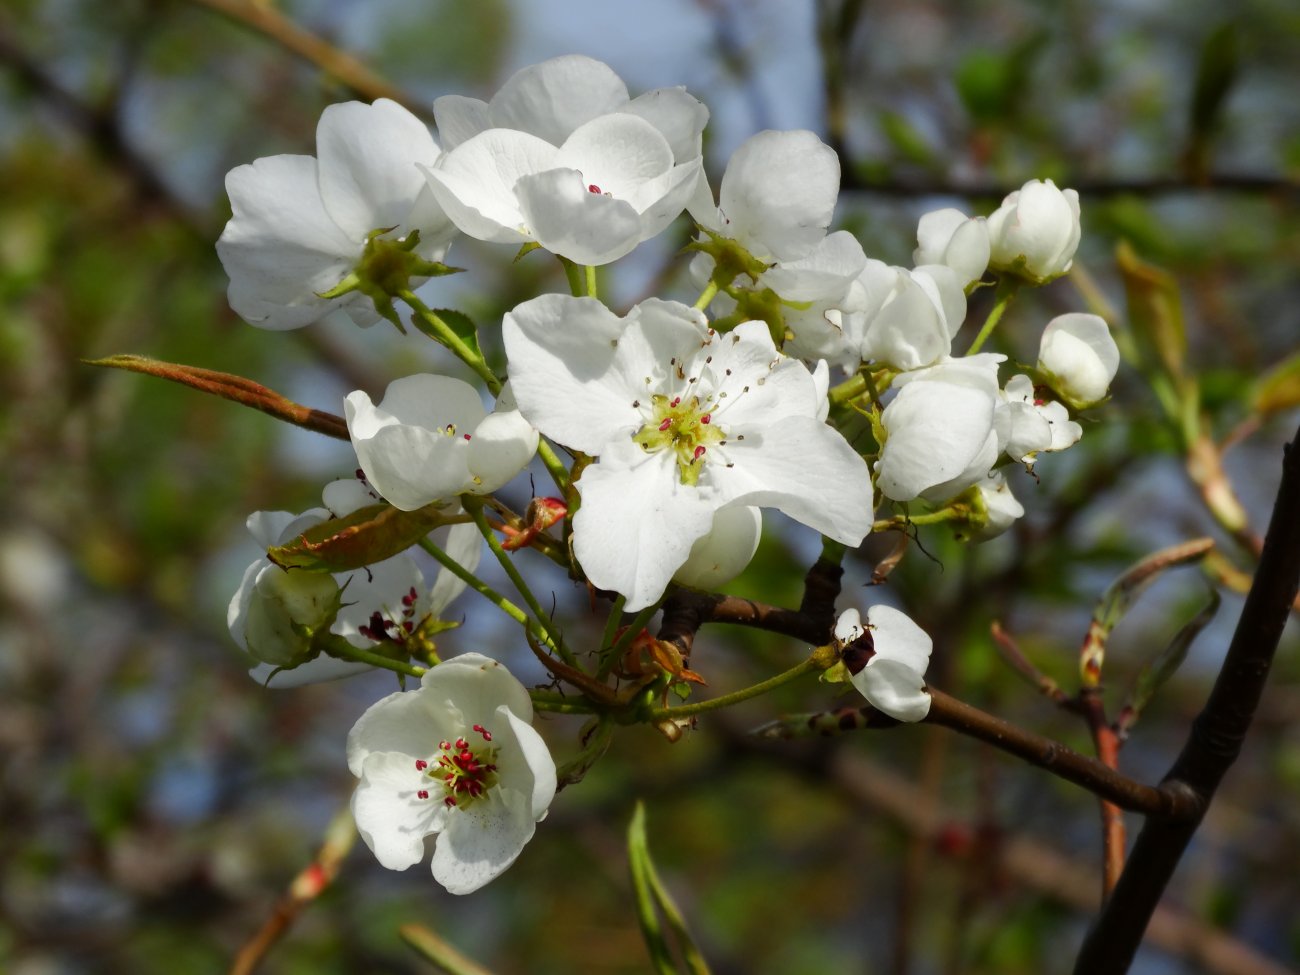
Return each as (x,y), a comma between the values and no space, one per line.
(360,474)
(677,401)
(467,436)
(422,794)
(461,743)
(444,745)
(665,425)
(699,452)
(593,188)
(408,627)
(707,417)
(487,735)
(449,801)
(421,765)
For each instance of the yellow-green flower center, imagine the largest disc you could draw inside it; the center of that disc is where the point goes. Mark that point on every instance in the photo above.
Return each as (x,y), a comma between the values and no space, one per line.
(685,426)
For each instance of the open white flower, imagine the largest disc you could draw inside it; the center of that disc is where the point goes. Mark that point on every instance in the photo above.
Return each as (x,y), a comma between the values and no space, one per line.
(685,421)
(1035,232)
(300,223)
(458,757)
(379,604)
(613,183)
(1078,355)
(430,438)
(893,679)
(1027,425)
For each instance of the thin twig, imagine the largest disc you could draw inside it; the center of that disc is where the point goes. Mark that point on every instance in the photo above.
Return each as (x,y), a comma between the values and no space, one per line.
(267,20)
(1215,739)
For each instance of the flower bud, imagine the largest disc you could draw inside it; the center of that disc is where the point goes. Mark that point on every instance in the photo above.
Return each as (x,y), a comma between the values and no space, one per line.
(722,554)
(284,610)
(1079,358)
(951,238)
(1035,232)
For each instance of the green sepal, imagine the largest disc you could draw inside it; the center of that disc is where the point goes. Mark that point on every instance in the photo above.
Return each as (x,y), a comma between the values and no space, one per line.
(463,326)
(366,536)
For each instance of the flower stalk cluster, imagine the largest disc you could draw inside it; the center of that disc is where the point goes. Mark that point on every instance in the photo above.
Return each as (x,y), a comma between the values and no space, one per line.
(667,427)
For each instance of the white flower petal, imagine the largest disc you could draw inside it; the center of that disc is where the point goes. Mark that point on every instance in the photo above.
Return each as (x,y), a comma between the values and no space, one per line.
(367,156)
(561,351)
(894,688)
(569,220)
(475,182)
(897,637)
(501,447)
(636,526)
(280,247)
(721,555)
(404,722)
(465,546)
(533,759)
(824,271)
(391,819)
(779,193)
(551,99)
(678,115)
(803,468)
(1080,355)
(479,843)
(459,119)
(476,686)
(936,430)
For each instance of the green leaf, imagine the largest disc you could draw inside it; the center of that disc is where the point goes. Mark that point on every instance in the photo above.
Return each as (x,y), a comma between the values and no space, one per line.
(651,899)
(1157,671)
(462,325)
(1278,389)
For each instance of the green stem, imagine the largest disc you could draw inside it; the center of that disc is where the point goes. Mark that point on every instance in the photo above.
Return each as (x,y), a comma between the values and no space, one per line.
(1007,288)
(475,583)
(707,295)
(428,322)
(851,388)
(612,621)
(337,646)
(544,627)
(932,518)
(592,290)
(558,704)
(574,273)
(726,700)
(554,466)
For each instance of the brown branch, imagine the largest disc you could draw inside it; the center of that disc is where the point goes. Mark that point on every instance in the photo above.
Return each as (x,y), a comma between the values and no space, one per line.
(1169,801)
(1106,742)
(306,887)
(266,20)
(1215,739)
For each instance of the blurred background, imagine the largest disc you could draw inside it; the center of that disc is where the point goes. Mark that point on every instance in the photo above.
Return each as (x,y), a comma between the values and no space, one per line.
(155,802)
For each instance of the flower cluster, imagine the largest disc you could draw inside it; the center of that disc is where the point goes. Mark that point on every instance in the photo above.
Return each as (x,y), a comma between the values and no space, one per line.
(683,417)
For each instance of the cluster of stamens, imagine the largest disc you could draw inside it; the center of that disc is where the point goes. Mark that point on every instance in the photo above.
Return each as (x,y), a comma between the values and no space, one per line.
(382,630)
(465,774)
(686,427)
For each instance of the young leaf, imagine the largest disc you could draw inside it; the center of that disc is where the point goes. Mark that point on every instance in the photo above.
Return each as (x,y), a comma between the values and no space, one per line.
(366,536)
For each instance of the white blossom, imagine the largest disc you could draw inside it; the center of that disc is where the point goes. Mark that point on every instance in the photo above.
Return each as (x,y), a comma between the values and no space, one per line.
(1035,232)
(1001,509)
(300,223)
(430,439)
(905,318)
(1079,357)
(941,435)
(458,757)
(893,680)
(612,185)
(685,421)
(1027,425)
